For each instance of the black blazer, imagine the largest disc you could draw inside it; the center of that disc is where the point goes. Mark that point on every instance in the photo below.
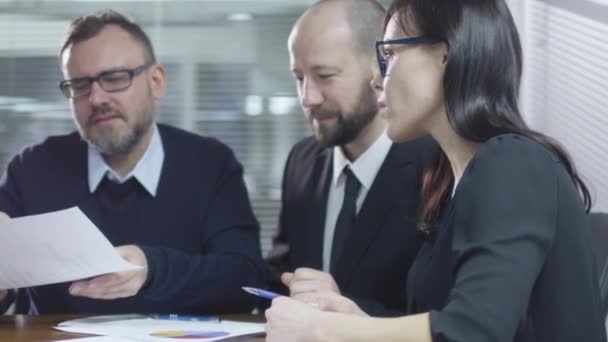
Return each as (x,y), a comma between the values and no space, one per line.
(512,260)
(377,254)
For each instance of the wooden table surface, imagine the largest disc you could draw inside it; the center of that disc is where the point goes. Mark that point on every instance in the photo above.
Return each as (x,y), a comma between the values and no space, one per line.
(23,328)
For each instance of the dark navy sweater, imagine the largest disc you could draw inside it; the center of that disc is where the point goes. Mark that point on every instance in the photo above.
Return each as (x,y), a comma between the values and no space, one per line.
(199,234)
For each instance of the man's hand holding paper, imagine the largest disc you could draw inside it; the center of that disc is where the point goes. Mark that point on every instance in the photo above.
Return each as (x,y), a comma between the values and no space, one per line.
(58,247)
(119,284)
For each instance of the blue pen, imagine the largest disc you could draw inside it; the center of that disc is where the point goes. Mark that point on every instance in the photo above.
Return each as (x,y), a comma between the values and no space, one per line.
(260,293)
(187,318)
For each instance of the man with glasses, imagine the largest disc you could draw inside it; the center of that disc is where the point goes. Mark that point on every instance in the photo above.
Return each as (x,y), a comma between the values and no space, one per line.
(350,196)
(173,202)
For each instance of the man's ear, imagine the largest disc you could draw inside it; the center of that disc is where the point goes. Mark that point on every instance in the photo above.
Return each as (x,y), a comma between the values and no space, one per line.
(158,80)
(375,68)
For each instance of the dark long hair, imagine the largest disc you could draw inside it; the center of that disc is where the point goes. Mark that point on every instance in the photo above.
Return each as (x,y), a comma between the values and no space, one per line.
(481,83)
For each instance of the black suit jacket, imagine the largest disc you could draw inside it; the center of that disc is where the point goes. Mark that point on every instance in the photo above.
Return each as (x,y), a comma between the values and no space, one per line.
(377,254)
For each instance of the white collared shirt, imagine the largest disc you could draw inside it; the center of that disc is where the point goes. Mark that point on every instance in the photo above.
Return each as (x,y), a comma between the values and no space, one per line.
(146,171)
(365,168)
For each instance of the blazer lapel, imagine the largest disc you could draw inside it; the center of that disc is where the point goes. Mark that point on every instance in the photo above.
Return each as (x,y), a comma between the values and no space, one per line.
(318,206)
(382,197)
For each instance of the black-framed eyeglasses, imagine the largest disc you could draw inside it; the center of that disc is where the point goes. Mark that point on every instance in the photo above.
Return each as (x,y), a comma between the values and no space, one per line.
(383,57)
(111,81)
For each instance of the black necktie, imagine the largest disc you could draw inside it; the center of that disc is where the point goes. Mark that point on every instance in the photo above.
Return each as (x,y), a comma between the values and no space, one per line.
(346,218)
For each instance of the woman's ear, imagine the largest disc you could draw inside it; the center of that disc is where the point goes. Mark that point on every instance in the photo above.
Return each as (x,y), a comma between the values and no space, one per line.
(445,53)
(440,53)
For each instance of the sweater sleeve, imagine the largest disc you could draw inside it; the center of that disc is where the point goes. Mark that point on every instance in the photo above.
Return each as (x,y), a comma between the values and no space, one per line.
(10,204)
(8,300)
(504,224)
(230,256)
(10,195)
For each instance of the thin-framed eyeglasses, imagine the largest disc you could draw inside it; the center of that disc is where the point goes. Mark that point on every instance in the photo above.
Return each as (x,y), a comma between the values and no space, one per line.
(383,57)
(111,81)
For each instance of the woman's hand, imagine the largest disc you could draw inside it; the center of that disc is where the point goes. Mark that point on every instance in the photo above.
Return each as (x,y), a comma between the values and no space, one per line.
(292,320)
(302,320)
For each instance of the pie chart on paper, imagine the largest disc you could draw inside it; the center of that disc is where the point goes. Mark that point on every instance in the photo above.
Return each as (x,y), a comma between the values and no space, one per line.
(189,334)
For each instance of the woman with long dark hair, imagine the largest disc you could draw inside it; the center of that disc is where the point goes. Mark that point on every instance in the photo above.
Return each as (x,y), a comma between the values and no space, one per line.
(507,253)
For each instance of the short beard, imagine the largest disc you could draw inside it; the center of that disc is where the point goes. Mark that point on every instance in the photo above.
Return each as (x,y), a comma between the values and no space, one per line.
(348,125)
(110,143)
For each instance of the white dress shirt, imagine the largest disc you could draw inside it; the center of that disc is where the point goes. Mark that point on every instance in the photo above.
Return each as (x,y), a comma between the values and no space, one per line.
(146,171)
(365,168)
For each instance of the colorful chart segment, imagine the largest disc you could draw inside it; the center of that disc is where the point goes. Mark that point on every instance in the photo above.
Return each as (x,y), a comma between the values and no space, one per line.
(190,334)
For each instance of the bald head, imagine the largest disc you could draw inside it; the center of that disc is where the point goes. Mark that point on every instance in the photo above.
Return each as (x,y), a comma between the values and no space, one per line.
(332,59)
(360,21)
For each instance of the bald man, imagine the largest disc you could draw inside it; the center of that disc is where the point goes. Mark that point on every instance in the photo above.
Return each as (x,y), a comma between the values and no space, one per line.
(350,196)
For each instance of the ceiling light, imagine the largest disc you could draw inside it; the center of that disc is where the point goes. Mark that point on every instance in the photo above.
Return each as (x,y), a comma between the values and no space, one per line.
(243,16)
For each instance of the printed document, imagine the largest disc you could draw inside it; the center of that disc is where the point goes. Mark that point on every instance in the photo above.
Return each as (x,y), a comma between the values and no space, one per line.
(149,329)
(53,248)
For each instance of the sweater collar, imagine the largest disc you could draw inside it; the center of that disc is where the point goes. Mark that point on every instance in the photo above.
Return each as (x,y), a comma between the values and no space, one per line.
(147,170)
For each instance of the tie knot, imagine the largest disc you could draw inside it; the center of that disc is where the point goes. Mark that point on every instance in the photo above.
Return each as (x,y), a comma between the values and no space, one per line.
(352,183)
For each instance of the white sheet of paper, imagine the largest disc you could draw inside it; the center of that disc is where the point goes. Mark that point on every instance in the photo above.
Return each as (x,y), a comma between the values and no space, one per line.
(149,329)
(99,339)
(53,248)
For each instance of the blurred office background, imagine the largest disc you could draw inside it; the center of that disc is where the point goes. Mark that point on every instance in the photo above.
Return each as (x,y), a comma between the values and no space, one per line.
(229,78)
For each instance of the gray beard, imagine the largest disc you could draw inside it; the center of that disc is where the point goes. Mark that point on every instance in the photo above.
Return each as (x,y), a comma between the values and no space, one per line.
(107,145)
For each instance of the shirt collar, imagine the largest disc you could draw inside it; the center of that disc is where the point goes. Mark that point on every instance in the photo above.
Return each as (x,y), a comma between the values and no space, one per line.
(367,165)
(146,171)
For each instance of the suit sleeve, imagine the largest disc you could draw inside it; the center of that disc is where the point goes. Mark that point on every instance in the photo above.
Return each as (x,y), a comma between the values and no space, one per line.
(504,224)
(279,258)
(231,254)
(375,308)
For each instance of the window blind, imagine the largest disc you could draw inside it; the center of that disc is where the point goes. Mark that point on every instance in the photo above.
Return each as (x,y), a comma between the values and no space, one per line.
(565,93)
(228,80)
